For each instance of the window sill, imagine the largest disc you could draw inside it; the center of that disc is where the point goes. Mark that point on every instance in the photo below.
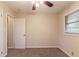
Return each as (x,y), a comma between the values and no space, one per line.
(71,32)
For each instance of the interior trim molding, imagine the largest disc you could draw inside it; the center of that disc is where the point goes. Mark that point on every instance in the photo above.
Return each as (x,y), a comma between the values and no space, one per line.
(41,47)
(11,47)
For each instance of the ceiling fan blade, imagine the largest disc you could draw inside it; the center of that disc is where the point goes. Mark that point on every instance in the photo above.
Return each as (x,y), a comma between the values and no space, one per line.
(48,3)
(34,7)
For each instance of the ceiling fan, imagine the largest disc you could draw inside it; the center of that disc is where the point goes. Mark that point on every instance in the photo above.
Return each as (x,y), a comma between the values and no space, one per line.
(37,3)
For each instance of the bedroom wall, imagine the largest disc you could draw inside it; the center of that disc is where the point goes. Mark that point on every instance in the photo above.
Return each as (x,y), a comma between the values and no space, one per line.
(41,31)
(69,42)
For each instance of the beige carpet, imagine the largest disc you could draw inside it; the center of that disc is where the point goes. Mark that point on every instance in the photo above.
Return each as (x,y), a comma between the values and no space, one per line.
(36,52)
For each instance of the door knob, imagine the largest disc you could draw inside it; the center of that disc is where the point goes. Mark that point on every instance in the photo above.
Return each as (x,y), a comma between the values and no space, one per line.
(24,34)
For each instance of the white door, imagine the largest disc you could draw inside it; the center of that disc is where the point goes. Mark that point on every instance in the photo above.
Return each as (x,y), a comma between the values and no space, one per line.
(19,33)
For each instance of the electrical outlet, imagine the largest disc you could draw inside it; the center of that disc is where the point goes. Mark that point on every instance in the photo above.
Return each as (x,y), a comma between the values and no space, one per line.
(72,53)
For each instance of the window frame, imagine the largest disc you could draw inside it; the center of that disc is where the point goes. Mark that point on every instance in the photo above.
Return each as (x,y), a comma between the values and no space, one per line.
(66,22)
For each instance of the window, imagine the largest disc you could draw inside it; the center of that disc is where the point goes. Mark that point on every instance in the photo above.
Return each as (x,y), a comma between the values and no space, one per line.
(72,22)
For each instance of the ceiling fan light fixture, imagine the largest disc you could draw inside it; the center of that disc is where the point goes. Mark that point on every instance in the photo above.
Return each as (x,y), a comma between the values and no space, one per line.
(33,2)
(41,1)
(37,3)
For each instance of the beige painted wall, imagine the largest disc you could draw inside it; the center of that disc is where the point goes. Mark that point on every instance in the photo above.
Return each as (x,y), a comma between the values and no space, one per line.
(41,30)
(69,42)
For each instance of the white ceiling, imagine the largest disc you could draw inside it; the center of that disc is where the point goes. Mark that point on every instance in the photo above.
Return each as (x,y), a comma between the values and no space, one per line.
(26,6)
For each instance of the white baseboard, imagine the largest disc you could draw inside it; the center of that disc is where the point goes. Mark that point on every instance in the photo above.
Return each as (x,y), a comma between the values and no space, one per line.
(41,47)
(34,47)
(65,52)
(10,47)
(15,48)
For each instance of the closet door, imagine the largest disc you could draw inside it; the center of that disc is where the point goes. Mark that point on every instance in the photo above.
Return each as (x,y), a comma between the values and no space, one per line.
(19,33)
